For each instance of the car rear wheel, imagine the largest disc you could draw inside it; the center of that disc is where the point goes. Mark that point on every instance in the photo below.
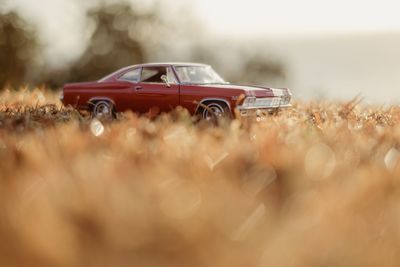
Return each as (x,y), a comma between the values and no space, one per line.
(103,110)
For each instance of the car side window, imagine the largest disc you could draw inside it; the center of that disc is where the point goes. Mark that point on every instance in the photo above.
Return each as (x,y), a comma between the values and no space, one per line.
(131,76)
(154,74)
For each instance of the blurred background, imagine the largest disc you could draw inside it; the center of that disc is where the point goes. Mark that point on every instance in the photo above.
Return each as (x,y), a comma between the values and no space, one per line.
(319,49)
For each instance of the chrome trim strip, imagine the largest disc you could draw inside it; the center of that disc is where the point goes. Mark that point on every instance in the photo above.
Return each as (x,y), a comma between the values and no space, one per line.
(265,107)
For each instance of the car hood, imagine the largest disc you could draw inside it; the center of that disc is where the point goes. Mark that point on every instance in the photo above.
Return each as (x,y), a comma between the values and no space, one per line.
(249,90)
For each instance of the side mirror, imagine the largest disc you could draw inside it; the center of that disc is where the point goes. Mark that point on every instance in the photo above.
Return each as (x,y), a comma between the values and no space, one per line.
(164,78)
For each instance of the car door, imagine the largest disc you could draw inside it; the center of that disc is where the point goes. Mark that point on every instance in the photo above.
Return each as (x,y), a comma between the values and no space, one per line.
(129,82)
(155,95)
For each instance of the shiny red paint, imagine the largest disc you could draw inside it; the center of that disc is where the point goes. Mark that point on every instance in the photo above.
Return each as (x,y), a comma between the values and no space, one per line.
(141,97)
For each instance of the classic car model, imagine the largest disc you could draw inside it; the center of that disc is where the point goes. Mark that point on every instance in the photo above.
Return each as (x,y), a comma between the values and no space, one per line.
(164,86)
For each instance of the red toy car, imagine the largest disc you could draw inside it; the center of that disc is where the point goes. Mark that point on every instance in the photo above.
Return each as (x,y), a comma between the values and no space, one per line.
(164,86)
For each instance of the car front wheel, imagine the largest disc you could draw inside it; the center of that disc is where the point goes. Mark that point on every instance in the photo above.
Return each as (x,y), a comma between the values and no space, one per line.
(215,111)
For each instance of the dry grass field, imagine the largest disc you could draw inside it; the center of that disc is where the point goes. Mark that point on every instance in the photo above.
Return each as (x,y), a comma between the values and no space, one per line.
(316,185)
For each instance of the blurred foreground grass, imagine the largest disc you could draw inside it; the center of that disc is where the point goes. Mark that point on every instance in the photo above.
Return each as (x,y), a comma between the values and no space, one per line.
(317,185)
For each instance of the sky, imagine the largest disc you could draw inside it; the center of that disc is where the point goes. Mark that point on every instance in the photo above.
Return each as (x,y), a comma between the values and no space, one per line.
(265,17)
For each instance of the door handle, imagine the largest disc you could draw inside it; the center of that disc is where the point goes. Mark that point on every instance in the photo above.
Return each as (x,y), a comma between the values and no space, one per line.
(138,88)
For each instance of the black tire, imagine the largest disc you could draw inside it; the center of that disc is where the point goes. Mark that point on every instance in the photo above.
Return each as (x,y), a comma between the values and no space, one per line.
(103,109)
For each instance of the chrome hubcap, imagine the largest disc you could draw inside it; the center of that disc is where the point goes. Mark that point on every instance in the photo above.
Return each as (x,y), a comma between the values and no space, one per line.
(213,110)
(102,110)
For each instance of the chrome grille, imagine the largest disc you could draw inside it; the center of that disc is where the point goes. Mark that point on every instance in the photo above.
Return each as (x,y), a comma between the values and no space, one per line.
(268,102)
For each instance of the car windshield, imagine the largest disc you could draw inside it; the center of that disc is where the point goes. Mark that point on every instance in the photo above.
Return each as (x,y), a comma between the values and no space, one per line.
(198,75)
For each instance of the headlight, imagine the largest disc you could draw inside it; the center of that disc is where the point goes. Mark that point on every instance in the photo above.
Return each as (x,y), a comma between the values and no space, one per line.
(249,101)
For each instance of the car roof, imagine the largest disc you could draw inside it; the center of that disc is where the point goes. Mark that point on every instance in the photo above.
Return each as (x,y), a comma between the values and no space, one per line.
(169,64)
(182,64)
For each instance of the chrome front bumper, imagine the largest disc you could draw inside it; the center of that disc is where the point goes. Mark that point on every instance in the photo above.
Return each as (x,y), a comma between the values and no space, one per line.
(264,105)
(259,111)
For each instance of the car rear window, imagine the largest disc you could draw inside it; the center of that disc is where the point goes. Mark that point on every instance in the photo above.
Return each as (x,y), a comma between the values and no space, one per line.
(132,76)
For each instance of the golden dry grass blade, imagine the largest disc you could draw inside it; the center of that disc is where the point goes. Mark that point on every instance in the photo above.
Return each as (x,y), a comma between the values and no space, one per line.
(309,186)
